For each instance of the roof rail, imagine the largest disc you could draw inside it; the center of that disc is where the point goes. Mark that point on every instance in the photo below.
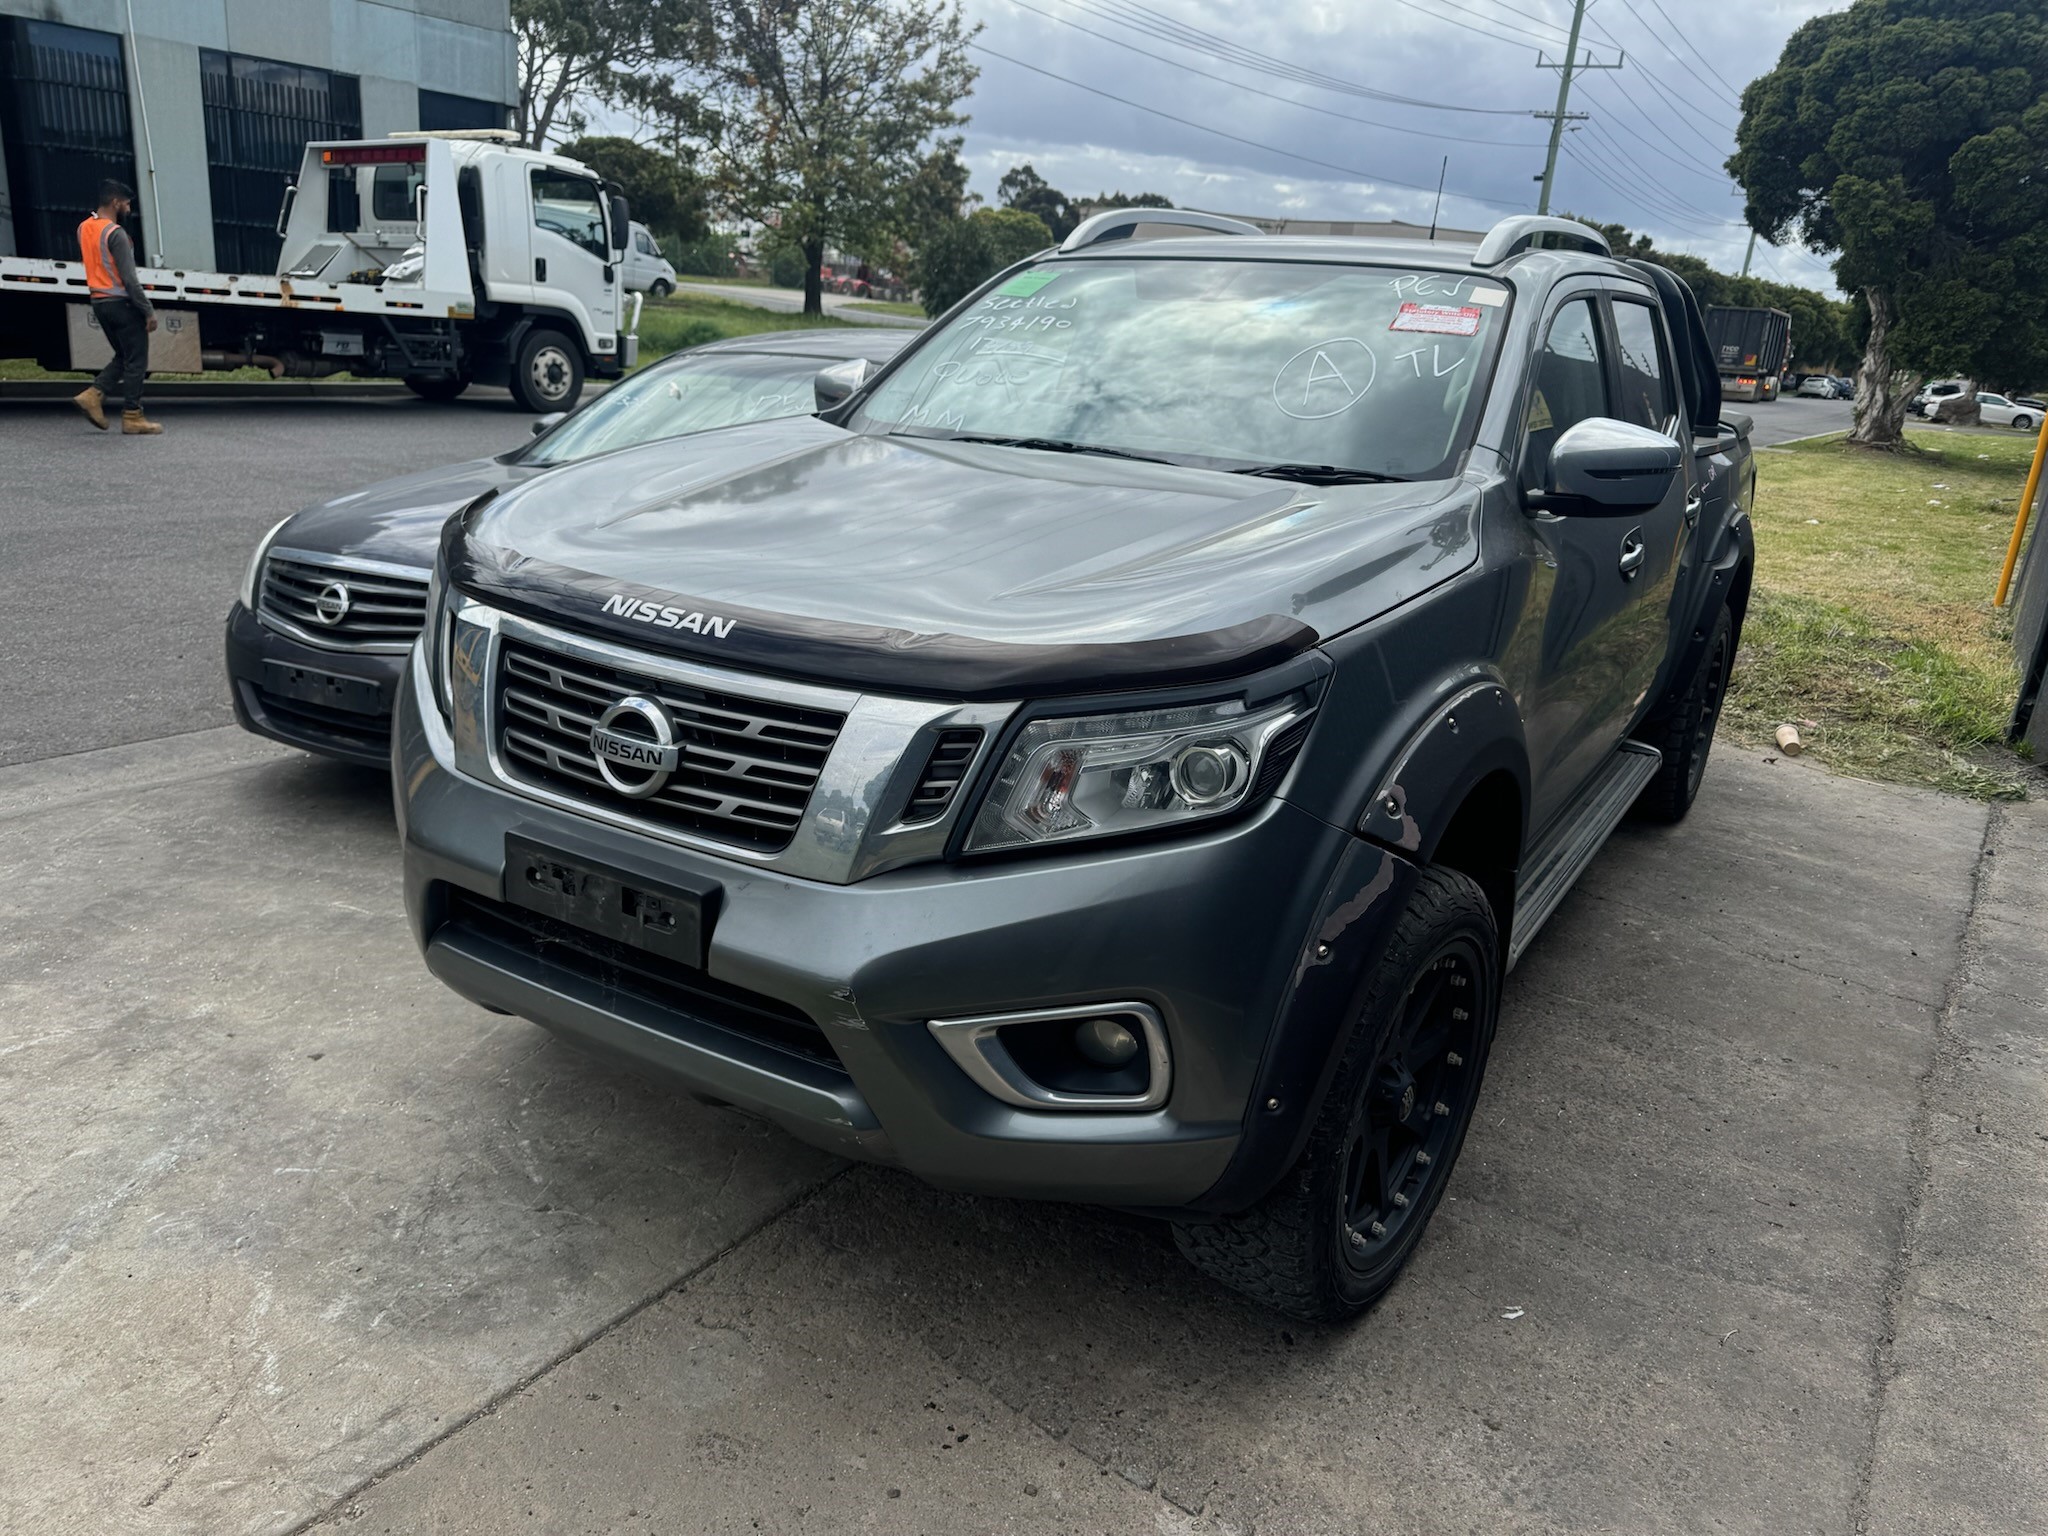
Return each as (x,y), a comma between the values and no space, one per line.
(1529,232)
(1117,224)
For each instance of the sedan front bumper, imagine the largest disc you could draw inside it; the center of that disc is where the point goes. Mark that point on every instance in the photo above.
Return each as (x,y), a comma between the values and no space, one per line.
(337,703)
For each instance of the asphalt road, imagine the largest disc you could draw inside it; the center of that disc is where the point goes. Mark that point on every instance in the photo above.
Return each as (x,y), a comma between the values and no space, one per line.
(119,555)
(1747,1238)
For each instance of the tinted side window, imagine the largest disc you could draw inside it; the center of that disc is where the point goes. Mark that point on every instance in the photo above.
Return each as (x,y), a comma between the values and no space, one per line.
(1571,386)
(1645,383)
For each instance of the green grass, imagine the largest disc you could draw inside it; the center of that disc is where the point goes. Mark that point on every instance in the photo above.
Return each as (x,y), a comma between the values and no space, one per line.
(690,320)
(1871,625)
(887,307)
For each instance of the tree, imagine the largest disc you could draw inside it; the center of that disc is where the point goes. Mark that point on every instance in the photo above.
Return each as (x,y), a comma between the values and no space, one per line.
(611,51)
(935,199)
(1023,189)
(1911,138)
(826,112)
(663,192)
(963,255)
(1820,325)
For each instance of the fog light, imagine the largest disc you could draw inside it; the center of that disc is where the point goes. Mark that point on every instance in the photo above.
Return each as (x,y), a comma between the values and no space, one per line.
(1105,1042)
(1203,775)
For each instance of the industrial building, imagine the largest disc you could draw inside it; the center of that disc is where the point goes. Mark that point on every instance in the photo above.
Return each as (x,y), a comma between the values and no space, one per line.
(204,106)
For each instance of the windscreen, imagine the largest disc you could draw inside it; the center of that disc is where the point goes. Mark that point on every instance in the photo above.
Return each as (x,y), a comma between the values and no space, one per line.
(1229,364)
(720,390)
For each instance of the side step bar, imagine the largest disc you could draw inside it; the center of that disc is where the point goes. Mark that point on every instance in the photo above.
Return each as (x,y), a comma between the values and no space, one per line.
(1553,868)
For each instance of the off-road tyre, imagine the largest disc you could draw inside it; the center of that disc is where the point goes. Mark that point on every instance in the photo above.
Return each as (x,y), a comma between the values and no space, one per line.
(547,375)
(436,386)
(1684,731)
(1294,1251)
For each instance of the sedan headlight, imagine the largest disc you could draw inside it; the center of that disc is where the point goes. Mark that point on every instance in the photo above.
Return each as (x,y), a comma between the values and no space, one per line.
(252,579)
(1102,775)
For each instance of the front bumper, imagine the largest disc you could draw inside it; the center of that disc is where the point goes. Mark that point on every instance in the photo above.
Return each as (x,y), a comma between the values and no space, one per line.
(352,723)
(1223,934)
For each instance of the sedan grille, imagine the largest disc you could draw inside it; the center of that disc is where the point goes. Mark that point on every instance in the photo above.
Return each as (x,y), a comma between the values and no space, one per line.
(340,605)
(744,768)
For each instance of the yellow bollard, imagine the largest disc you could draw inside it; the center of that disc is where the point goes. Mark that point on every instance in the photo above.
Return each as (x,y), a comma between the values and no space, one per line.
(2019,523)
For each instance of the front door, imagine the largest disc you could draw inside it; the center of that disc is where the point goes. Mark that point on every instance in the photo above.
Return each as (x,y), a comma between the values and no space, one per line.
(1606,619)
(572,253)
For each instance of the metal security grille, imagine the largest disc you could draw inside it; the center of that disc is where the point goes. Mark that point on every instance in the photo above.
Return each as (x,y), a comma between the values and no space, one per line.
(64,116)
(747,770)
(259,116)
(341,605)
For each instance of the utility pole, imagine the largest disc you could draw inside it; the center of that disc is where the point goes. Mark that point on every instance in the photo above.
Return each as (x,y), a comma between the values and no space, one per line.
(1571,65)
(1746,255)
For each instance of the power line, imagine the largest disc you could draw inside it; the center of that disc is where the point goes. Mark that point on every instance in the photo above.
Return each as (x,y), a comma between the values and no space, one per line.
(1651,78)
(1539,39)
(1348,117)
(1272,149)
(1141,18)
(1578,156)
(1596,160)
(1689,167)
(1649,121)
(1734,95)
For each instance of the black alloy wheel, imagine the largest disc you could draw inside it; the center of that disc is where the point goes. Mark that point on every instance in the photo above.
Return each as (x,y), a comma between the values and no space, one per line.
(1713,691)
(1418,1099)
(1332,1235)
(1683,729)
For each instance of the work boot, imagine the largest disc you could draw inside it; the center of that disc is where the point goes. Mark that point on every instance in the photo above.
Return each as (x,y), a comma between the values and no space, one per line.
(134,422)
(93,403)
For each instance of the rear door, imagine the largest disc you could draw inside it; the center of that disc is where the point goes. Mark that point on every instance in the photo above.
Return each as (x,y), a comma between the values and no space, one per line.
(1609,580)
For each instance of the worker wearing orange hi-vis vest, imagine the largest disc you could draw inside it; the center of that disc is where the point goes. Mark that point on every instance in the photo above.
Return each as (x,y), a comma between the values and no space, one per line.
(122,309)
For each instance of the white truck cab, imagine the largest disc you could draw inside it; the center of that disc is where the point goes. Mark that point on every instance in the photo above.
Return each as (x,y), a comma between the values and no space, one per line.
(439,258)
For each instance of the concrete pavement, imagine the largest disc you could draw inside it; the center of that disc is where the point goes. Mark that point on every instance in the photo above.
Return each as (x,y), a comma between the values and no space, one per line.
(1749,1235)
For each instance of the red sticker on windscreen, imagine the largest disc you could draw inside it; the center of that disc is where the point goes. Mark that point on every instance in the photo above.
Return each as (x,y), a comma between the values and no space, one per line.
(1438,319)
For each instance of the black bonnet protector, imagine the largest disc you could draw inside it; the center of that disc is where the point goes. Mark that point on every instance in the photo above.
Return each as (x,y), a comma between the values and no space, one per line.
(854,655)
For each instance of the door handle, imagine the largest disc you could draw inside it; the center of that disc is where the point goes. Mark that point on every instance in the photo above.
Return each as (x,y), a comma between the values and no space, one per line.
(540,269)
(1694,500)
(1633,553)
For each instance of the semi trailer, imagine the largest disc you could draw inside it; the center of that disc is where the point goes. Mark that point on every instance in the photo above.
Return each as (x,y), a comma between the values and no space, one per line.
(1751,348)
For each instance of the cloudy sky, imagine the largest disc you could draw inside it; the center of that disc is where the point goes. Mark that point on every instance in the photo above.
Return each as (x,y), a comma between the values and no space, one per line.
(1345,108)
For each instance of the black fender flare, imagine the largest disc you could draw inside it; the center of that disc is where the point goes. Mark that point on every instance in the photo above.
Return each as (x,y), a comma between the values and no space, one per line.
(1466,738)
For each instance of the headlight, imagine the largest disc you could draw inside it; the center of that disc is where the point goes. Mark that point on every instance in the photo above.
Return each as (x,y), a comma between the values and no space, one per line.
(252,579)
(1101,775)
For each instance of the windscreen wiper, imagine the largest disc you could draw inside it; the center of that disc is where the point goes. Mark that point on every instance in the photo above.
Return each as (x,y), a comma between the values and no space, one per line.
(1319,474)
(1054,445)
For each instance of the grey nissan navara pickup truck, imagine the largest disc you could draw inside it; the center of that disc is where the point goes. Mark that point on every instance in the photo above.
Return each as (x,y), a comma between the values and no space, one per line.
(1115,751)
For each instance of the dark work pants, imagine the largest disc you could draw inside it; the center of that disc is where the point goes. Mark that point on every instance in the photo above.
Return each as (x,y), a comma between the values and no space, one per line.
(127,333)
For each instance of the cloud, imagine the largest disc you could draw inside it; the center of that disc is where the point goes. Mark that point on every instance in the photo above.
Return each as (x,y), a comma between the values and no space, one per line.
(1649,155)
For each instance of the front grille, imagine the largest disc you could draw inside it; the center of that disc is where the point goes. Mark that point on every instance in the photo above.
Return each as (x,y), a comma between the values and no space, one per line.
(942,774)
(747,767)
(691,995)
(373,608)
(320,724)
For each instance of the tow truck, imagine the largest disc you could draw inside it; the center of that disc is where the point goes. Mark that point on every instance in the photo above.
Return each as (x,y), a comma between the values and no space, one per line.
(440,258)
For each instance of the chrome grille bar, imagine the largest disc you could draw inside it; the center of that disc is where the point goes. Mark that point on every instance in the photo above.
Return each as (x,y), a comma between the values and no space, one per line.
(384,610)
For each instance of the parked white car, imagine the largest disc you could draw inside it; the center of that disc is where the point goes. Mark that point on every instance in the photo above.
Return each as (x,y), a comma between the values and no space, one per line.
(645,269)
(1995,411)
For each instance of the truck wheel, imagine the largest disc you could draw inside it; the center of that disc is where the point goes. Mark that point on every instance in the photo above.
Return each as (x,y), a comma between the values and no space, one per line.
(438,386)
(662,288)
(1684,732)
(1331,1237)
(548,373)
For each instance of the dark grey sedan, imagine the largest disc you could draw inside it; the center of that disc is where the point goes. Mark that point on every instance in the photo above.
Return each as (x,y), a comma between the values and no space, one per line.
(335,594)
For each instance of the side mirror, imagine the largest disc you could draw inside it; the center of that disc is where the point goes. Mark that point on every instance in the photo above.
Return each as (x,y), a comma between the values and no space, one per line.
(839,380)
(1605,467)
(622,223)
(544,423)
